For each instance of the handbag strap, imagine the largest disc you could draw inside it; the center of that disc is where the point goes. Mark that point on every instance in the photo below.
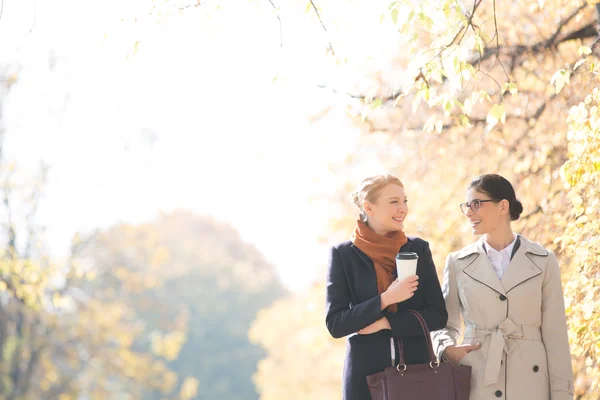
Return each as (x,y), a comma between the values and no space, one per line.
(426,333)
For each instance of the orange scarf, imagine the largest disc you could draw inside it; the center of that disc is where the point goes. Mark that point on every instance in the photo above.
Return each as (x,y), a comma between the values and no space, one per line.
(382,251)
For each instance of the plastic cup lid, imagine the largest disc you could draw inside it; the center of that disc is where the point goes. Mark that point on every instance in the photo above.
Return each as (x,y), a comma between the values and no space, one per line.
(407,256)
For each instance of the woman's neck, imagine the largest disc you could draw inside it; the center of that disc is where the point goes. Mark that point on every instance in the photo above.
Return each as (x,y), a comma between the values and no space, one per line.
(500,238)
(376,229)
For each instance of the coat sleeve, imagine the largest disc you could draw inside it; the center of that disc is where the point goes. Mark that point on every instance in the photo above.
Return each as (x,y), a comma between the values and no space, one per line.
(344,318)
(452,332)
(554,334)
(433,311)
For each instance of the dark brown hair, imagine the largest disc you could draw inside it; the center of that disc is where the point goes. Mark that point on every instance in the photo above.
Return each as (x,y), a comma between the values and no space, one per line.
(498,188)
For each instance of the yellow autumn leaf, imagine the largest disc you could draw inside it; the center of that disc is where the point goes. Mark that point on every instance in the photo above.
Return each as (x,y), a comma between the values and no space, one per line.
(189,388)
(496,114)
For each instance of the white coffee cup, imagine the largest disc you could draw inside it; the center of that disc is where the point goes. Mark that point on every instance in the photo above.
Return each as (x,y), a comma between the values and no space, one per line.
(406,264)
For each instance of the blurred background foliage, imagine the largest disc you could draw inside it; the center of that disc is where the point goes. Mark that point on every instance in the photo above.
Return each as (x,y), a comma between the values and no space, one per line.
(182,306)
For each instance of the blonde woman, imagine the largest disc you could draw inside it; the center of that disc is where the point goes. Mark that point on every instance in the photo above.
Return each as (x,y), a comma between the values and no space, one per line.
(366,302)
(508,292)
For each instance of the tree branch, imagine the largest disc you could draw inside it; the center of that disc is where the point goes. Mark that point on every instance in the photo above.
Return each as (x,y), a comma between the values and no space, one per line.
(515,52)
(280,25)
(497,35)
(3,337)
(21,386)
(543,45)
(462,30)
(322,25)
(15,373)
(538,209)
(36,353)
(12,236)
(358,96)
(34,17)
(565,21)
(30,218)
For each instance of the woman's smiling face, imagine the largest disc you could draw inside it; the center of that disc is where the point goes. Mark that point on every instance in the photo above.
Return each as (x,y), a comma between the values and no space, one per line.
(388,211)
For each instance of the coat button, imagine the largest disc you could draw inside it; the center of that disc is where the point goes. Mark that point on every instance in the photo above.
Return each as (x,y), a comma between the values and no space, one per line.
(536,368)
(502,297)
(498,393)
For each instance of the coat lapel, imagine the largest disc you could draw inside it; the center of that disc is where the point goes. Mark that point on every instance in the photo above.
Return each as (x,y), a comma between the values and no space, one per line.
(479,267)
(407,247)
(522,267)
(363,257)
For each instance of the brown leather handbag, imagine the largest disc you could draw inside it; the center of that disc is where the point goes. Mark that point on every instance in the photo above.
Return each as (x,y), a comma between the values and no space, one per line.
(431,381)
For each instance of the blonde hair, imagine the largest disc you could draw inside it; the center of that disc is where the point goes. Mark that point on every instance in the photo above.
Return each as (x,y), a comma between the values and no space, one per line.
(369,189)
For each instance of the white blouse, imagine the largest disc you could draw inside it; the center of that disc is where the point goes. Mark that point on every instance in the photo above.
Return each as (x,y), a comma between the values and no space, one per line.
(499,259)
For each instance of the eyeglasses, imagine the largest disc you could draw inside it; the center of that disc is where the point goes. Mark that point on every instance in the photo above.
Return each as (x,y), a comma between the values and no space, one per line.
(474,205)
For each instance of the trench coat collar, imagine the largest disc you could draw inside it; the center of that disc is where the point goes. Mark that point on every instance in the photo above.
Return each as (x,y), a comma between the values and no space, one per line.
(521,268)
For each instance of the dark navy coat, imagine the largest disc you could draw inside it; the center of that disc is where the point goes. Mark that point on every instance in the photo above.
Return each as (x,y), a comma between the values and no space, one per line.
(353,303)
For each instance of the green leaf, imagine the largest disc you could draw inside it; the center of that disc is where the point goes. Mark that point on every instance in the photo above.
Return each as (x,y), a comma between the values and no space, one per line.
(370,107)
(416,102)
(510,87)
(364,113)
(579,63)
(465,66)
(426,21)
(376,104)
(456,63)
(464,120)
(405,25)
(479,45)
(447,10)
(426,94)
(447,106)
(486,38)
(136,47)
(560,79)
(394,14)
(584,50)
(468,105)
(429,124)
(308,6)
(436,75)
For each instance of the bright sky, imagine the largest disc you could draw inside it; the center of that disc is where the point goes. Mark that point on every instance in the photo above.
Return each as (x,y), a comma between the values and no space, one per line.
(192,120)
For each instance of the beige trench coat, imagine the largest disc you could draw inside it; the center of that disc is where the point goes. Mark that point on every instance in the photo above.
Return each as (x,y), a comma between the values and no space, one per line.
(519,321)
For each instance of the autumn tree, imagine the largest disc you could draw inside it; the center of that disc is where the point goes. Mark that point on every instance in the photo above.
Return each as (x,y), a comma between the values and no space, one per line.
(475,88)
(195,277)
(59,340)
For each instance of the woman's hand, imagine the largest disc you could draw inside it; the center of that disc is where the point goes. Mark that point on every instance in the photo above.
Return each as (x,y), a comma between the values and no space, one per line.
(376,326)
(399,291)
(456,353)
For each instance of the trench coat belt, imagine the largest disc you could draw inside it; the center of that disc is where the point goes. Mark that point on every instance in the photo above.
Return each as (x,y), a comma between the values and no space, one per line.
(502,340)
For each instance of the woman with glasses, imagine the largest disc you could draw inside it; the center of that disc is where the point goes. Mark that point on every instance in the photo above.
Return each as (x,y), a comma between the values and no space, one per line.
(366,302)
(507,290)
